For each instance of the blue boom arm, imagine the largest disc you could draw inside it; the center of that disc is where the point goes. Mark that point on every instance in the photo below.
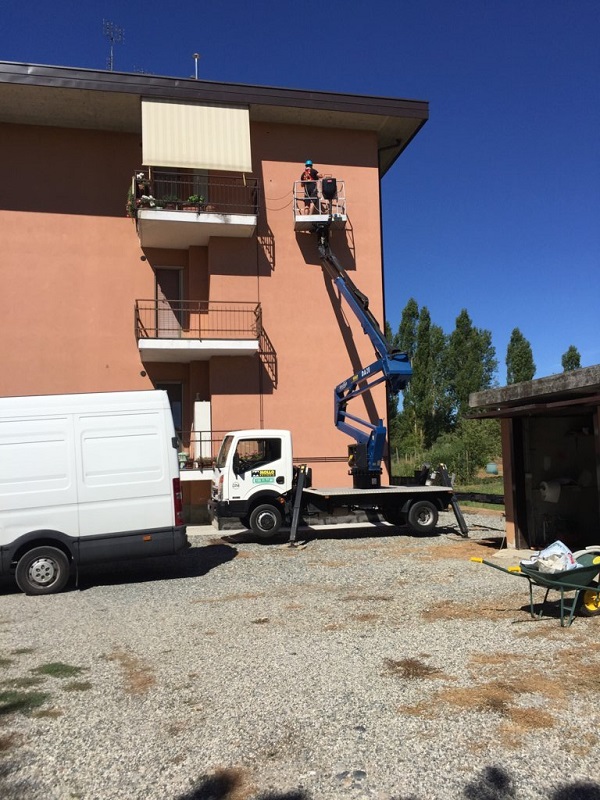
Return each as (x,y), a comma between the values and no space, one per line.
(391,366)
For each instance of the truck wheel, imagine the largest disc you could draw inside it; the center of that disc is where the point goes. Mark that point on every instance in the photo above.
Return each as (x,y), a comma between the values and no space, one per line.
(245,522)
(423,516)
(265,521)
(43,570)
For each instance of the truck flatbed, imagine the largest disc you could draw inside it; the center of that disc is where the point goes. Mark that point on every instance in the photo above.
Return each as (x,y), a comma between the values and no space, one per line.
(351,492)
(416,505)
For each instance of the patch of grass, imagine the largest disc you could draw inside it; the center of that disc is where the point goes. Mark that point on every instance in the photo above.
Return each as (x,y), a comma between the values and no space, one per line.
(47,713)
(410,669)
(7,741)
(78,686)
(12,702)
(23,683)
(492,485)
(138,677)
(56,669)
(486,506)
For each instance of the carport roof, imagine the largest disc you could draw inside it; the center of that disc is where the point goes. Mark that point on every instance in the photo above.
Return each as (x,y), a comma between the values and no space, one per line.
(565,391)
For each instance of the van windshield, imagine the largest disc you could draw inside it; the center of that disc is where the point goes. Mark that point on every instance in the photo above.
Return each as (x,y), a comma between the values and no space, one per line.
(224,452)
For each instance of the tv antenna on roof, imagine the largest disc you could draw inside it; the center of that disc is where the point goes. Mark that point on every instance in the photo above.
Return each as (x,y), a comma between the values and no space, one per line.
(115,36)
(196,57)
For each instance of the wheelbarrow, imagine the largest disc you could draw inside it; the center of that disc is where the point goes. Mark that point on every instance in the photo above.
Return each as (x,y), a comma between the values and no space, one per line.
(582,581)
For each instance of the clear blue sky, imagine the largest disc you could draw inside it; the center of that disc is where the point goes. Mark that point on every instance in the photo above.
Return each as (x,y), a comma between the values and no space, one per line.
(494,207)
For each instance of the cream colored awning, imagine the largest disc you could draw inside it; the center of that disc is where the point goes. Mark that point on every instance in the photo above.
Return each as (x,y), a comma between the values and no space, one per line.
(195,136)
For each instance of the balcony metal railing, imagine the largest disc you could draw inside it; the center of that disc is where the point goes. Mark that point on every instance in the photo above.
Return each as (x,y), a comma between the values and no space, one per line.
(224,194)
(305,205)
(197,319)
(199,449)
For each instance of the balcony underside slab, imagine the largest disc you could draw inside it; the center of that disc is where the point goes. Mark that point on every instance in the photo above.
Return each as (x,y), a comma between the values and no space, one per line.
(183,351)
(176,230)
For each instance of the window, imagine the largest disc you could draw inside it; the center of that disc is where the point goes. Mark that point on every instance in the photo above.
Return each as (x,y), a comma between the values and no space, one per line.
(255,453)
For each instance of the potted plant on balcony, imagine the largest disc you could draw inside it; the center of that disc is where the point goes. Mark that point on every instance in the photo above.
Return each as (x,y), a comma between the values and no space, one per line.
(170,201)
(193,203)
(141,201)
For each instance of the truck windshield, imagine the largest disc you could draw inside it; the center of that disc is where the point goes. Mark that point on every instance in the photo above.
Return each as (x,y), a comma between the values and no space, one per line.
(224,452)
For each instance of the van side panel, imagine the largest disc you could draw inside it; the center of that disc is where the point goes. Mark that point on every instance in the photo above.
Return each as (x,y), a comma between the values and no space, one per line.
(37,477)
(123,480)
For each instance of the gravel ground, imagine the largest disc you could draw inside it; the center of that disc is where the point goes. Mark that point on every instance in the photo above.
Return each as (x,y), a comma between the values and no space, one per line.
(367,663)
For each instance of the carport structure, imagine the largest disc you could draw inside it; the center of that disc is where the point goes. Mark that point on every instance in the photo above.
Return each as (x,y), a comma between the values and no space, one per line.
(551,456)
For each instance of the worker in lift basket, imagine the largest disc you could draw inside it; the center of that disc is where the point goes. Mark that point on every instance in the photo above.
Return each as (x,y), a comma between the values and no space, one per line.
(309,179)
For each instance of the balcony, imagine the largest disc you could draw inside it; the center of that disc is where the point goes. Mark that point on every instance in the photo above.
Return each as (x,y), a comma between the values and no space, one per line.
(174,210)
(185,331)
(310,211)
(197,453)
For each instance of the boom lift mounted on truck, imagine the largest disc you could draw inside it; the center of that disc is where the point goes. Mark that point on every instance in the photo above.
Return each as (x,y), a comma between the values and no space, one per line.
(255,479)
(391,366)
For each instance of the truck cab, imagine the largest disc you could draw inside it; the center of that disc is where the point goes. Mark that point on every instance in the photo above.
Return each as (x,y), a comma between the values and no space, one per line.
(253,479)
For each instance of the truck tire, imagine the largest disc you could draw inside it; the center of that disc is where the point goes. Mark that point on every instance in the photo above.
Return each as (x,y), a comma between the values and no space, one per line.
(423,516)
(43,570)
(265,521)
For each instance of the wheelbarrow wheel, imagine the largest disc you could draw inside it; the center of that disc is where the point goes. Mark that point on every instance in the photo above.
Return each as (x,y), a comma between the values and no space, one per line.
(589,603)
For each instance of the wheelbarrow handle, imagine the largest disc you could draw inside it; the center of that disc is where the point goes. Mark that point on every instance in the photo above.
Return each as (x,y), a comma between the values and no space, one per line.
(516,570)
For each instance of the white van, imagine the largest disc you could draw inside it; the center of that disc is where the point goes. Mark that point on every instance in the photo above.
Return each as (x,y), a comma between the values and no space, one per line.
(86,478)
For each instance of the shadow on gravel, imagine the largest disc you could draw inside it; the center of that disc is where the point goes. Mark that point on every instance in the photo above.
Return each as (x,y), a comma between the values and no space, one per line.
(493,783)
(227,785)
(314,534)
(191,563)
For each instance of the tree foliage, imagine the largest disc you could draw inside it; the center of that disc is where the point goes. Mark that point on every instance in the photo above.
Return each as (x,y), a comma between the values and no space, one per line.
(468,448)
(571,359)
(519,359)
(470,362)
(406,338)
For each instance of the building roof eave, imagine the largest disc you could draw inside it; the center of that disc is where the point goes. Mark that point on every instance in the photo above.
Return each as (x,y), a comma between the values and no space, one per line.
(43,95)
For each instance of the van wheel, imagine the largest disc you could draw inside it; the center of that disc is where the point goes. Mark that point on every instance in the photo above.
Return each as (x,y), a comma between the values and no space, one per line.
(423,516)
(43,570)
(265,521)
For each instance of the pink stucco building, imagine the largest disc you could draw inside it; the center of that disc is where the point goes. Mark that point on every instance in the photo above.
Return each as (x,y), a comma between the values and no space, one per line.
(114,284)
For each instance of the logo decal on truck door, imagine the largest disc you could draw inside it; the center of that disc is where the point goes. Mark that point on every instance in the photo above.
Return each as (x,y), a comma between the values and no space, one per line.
(263,475)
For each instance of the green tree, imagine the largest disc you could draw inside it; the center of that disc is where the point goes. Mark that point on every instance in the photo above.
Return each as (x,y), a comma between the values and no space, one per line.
(571,359)
(441,407)
(406,338)
(425,412)
(417,397)
(468,448)
(401,428)
(471,363)
(392,398)
(519,359)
